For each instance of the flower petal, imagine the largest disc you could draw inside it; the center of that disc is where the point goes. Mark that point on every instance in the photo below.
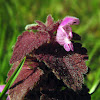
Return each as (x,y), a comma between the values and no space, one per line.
(1,89)
(64,32)
(71,46)
(68,31)
(70,21)
(67,47)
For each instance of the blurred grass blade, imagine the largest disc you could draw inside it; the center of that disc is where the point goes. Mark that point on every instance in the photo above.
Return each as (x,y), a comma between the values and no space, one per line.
(2,39)
(93,51)
(12,78)
(94,87)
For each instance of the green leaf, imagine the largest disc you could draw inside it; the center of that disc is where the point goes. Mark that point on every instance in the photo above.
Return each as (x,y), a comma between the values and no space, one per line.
(12,78)
(94,87)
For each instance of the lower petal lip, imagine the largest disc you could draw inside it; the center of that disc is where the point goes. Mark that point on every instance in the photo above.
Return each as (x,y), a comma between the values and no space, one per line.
(66,47)
(69,46)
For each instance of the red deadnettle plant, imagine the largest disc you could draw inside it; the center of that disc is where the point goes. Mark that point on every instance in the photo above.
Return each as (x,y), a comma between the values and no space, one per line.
(55,65)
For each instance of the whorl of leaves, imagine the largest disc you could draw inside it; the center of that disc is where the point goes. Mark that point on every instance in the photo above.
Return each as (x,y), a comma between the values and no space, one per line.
(29,41)
(41,47)
(49,26)
(26,80)
(68,66)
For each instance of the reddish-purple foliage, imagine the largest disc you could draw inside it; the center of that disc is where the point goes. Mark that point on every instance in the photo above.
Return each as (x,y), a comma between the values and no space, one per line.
(43,52)
(26,80)
(68,66)
(50,26)
(27,42)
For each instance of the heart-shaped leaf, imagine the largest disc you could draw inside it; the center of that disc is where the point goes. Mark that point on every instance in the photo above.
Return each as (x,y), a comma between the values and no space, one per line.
(27,42)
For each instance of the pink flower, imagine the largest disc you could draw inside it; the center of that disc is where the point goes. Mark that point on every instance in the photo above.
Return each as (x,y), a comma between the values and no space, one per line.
(1,89)
(64,32)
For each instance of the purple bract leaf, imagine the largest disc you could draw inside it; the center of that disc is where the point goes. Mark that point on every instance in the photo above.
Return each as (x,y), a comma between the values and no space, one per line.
(64,32)
(26,80)
(49,20)
(40,23)
(50,26)
(27,42)
(32,27)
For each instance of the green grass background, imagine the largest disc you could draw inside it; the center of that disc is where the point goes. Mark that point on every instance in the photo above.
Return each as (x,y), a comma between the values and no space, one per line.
(16,14)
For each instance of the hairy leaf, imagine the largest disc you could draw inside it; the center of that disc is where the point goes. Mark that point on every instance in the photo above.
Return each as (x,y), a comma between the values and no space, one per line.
(49,20)
(68,66)
(27,42)
(26,80)
(50,88)
(49,26)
